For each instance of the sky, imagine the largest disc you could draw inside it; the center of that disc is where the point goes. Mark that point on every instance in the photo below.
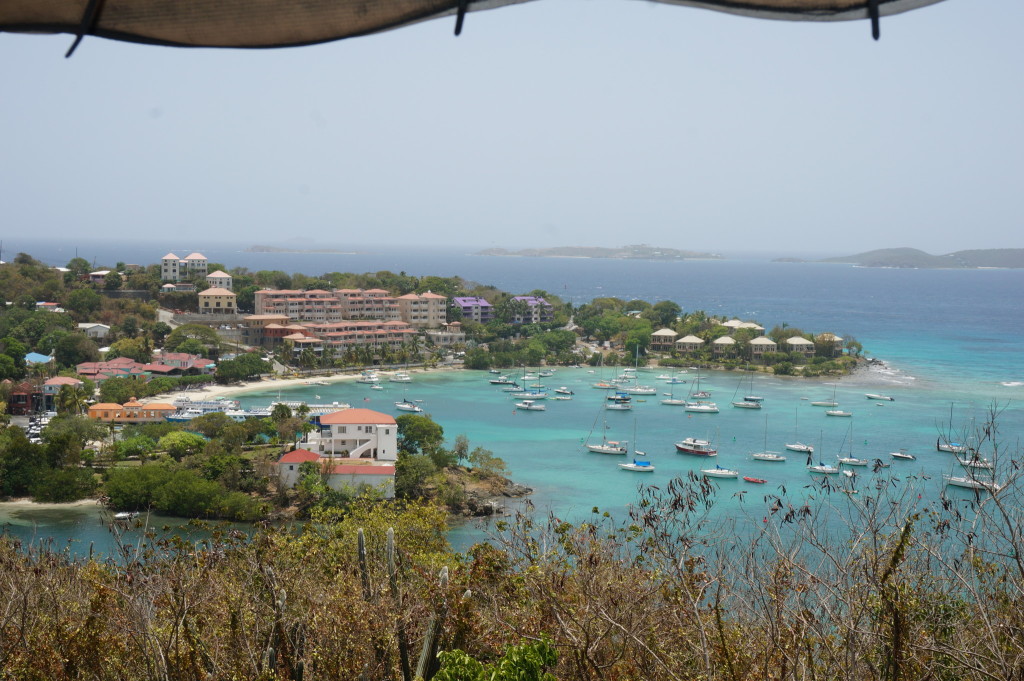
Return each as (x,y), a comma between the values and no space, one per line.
(552,123)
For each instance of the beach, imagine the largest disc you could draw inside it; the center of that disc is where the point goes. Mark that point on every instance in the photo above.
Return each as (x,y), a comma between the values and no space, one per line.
(213,392)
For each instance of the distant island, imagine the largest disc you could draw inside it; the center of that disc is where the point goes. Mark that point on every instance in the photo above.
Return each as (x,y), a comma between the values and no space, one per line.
(912,258)
(277,249)
(636,252)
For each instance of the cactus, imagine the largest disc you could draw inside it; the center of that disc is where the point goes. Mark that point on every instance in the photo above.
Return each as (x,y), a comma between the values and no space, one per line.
(364,573)
(403,643)
(428,653)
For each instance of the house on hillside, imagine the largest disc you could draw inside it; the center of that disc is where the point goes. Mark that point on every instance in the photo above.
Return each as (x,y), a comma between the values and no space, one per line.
(663,340)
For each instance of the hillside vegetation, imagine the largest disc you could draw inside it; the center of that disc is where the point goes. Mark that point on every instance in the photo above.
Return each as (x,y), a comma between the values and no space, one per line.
(914,258)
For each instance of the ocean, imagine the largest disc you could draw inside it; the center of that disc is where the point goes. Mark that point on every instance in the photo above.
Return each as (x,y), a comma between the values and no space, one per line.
(951,342)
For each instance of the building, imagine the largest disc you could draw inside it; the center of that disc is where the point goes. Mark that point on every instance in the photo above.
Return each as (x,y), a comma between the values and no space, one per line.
(219,279)
(98,277)
(423,311)
(301,306)
(25,398)
(538,311)
(688,344)
(94,330)
(476,309)
(663,340)
(762,345)
(338,473)
(353,447)
(53,385)
(801,345)
(448,335)
(131,411)
(374,303)
(832,342)
(723,345)
(217,301)
(173,268)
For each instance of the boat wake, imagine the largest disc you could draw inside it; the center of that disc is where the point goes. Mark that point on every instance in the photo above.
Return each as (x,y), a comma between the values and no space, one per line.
(1011,384)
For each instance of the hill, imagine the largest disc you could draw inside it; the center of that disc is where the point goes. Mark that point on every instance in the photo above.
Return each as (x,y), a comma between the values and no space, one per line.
(634,252)
(914,258)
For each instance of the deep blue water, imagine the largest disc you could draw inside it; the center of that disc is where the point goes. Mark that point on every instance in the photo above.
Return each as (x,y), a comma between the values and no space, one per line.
(952,341)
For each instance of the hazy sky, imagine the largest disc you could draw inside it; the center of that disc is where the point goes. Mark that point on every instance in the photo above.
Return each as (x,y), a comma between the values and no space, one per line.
(561,122)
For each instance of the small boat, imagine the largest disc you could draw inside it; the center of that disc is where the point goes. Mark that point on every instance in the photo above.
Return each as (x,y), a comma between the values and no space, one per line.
(638,466)
(406,405)
(561,397)
(902,454)
(747,404)
(753,398)
(564,391)
(800,447)
(952,447)
(674,402)
(642,390)
(400,377)
(375,386)
(529,394)
(719,472)
(978,463)
(368,377)
(619,396)
(530,405)
(756,481)
(825,403)
(511,388)
(823,469)
(852,461)
(768,456)
(874,396)
(701,395)
(676,381)
(530,377)
(604,385)
(547,373)
(700,407)
(692,445)
(971,483)
(502,380)
(837,412)
(126,515)
(618,406)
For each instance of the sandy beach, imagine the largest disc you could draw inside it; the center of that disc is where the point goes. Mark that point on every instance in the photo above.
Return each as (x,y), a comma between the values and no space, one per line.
(213,392)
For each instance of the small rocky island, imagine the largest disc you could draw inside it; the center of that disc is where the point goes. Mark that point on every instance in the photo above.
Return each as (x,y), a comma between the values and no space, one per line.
(634,252)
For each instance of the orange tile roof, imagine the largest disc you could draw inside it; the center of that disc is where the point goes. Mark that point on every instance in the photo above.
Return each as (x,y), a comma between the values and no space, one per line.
(356,416)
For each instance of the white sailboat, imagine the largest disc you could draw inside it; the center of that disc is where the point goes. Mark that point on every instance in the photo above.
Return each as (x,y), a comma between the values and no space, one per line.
(799,446)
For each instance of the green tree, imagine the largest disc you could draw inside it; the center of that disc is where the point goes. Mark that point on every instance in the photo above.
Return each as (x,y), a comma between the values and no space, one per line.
(113,281)
(180,444)
(71,399)
(418,434)
(74,349)
(83,302)
(133,348)
(66,437)
(59,486)
(204,335)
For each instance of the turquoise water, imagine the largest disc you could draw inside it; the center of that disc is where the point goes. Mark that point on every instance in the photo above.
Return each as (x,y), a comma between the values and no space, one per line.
(952,340)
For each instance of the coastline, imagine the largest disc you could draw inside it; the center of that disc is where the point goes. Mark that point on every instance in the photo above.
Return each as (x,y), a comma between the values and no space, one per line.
(213,392)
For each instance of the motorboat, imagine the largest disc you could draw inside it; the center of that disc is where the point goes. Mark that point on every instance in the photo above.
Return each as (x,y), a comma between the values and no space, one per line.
(126,515)
(823,469)
(564,391)
(692,445)
(642,390)
(800,447)
(547,373)
(875,396)
(768,456)
(952,447)
(406,405)
(400,377)
(638,466)
(376,386)
(530,405)
(971,483)
(903,455)
(701,395)
(368,377)
(502,380)
(618,406)
(837,412)
(852,461)
(719,472)
(976,463)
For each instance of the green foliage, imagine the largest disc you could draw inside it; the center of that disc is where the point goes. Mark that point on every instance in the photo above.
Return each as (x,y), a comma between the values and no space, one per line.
(138,446)
(63,485)
(75,348)
(178,492)
(412,472)
(243,367)
(206,340)
(66,436)
(21,462)
(180,444)
(526,662)
(485,463)
(138,349)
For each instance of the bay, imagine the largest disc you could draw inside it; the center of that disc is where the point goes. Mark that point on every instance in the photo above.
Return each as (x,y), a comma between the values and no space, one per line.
(951,341)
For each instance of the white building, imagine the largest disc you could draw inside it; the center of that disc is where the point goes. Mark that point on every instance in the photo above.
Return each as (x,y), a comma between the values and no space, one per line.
(219,279)
(173,268)
(95,331)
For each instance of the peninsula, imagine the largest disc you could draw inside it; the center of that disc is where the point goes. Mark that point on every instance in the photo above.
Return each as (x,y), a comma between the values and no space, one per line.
(634,252)
(1012,258)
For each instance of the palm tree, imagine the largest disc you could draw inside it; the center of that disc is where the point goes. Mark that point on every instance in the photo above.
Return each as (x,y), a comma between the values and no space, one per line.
(71,399)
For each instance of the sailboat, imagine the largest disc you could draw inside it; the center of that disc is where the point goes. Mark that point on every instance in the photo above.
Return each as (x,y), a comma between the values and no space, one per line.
(636,388)
(606,446)
(765,454)
(697,404)
(637,465)
(832,404)
(799,446)
(672,400)
(747,402)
